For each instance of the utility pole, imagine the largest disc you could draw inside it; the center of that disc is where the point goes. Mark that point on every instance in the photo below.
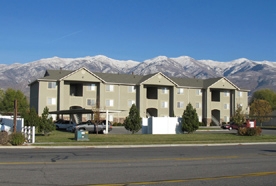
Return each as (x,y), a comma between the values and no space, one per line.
(15,116)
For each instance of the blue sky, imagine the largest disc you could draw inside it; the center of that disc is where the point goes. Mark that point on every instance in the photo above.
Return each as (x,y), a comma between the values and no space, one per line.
(221,30)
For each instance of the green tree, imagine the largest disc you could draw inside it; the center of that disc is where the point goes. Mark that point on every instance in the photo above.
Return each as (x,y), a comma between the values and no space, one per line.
(267,95)
(133,121)
(239,117)
(7,102)
(30,117)
(45,124)
(260,110)
(189,121)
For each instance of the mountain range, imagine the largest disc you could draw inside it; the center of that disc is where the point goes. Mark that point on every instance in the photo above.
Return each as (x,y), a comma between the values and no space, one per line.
(245,73)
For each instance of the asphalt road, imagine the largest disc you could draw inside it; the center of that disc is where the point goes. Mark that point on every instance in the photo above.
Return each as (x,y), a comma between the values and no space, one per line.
(174,166)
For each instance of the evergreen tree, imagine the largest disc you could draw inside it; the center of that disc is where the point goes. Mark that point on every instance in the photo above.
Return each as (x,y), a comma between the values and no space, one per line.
(190,121)
(30,117)
(45,124)
(133,122)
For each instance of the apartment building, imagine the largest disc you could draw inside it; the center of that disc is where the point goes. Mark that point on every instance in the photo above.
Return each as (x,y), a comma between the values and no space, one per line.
(156,95)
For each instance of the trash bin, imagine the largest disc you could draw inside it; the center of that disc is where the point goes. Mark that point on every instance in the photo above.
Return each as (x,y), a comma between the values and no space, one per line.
(81,135)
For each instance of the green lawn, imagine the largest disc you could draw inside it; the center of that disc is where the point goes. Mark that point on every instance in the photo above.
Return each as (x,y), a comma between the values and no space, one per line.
(61,138)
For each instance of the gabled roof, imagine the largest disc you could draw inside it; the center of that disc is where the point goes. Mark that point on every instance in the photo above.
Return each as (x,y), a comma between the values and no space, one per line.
(83,68)
(131,79)
(212,81)
(55,74)
(158,73)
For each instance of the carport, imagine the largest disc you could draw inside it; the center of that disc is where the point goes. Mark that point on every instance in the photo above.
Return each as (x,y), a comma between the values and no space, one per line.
(85,111)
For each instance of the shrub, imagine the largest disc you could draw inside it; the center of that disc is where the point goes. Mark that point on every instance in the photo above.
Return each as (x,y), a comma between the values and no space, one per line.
(243,131)
(4,137)
(17,138)
(201,124)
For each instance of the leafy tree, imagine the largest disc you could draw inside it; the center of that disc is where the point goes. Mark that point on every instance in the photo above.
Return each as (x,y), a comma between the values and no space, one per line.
(7,102)
(30,117)
(133,121)
(259,110)
(267,95)
(189,121)
(239,117)
(45,124)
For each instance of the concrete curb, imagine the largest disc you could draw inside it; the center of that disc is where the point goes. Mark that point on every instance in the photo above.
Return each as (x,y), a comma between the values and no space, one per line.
(132,146)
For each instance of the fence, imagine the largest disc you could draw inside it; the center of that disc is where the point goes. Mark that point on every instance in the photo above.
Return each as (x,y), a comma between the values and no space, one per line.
(161,125)
(29,132)
(7,125)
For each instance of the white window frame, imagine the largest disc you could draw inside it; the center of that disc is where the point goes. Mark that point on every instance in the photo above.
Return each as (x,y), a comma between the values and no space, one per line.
(164,104)
(226,93)
(198,92)
(226,119)
(226,106)
(51,101)
(91,87)
(109,88)
(93,102)
(180,91)
(52,85)
(240,94)
(180,104)
(109,103)
(131,89)
(130,102)
(198,105)
(165,90)
(199,118)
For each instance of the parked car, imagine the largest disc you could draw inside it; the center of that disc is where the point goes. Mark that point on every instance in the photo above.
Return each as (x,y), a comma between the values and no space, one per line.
(92,127)
(232,125)
(63,124)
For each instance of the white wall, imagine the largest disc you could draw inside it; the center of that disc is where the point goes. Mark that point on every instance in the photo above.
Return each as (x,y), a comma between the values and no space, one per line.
(7,123)
(161,125)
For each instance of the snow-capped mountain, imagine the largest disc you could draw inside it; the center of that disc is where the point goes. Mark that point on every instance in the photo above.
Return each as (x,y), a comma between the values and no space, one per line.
(245,73)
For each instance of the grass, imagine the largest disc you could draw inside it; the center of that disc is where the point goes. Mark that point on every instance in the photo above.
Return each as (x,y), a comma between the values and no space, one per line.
(60,138)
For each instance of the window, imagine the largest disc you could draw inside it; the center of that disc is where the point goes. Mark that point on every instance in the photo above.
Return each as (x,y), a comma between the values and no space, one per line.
(91,87)
(180,104)
(198,92)
(165,90)
(51,101)
(88,117)
(240,94)
(226,119)
(164,104)
(130,103)
(226,106)
(91,102)
(180,91)
(52,85)
(109,103)
(199,118)
(131,89)
(109,88)
(226,93)
(198,105)
(239,105)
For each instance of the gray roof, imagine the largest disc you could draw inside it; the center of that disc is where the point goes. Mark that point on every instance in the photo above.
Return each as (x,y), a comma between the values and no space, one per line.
(56,74)
(188,82)
(133,79)
(120,78)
